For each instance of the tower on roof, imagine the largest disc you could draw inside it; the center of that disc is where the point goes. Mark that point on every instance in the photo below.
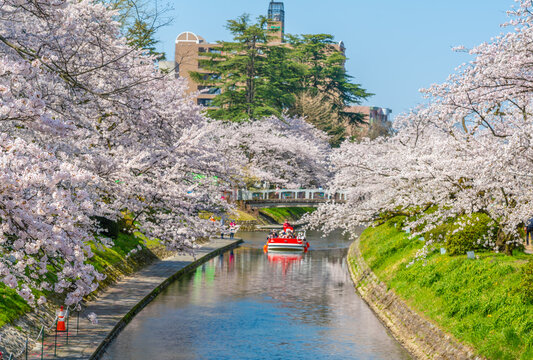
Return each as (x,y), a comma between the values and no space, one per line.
(276,20)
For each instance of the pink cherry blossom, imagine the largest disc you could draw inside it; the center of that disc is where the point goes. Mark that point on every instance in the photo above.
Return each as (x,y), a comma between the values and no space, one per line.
(467,150)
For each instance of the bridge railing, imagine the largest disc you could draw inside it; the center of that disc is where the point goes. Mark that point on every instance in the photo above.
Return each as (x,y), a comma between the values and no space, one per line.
(290,194)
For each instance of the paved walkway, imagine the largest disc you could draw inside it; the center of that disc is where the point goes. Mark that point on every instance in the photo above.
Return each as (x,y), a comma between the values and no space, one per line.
(115,302)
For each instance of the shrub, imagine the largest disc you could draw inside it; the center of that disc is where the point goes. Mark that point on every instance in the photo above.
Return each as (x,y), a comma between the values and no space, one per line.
(526,283)
(438,233)
(470,232)
(396,222)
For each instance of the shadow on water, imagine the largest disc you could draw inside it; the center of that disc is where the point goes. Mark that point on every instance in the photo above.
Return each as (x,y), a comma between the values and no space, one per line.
(246,304)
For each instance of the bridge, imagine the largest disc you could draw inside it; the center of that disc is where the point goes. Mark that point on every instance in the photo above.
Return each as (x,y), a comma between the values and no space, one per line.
(288,197)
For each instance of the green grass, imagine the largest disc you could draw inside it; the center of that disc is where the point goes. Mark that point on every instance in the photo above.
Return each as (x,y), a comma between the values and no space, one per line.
(290,213)
(234,214)
(240,215)
(12,306)
(478,301)
(123,244)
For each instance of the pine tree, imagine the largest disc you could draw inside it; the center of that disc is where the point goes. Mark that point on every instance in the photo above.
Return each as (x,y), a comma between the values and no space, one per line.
(141,36)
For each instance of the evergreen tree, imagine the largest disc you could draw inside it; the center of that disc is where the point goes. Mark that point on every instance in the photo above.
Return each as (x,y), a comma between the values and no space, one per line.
(259,78)
(141,36)
(139,21)
(326,74)
(239,71)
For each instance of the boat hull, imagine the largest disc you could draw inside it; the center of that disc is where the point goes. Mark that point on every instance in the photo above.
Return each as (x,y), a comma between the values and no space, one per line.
(280,244)
(285,247)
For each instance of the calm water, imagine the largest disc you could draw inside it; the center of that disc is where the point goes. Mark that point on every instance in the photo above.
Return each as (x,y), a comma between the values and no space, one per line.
(249,305)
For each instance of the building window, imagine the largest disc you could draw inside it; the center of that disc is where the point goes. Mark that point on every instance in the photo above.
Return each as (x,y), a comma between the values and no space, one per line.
(211,90)
(205,102)
(202,50)
(209,77)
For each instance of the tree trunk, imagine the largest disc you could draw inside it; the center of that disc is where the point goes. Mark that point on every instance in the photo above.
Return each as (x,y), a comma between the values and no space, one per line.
(502,242)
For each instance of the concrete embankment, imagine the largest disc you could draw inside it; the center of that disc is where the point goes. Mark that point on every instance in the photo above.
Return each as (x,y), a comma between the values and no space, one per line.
(422,338)
(119,303)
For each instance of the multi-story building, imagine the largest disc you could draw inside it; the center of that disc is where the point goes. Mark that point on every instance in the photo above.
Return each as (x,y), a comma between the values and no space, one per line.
(372,113)
(191,48)
(377,118)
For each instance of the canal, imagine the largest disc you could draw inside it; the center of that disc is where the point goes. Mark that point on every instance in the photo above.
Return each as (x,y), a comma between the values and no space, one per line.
(246,304)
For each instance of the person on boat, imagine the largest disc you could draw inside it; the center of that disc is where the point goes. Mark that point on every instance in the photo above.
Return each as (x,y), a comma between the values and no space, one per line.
(286,225)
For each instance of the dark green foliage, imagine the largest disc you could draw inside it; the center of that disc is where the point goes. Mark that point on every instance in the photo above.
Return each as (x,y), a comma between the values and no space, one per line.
(242,71)
(259,78)
(141,35)
(438,233)
(109,227)
(526,283)
(469,232)
(325,74)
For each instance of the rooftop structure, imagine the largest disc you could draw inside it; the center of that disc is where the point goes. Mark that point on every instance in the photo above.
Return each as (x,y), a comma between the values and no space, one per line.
(276,23)
(189,37)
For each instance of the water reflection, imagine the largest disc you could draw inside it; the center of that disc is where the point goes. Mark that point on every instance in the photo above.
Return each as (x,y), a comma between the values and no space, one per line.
(249,305)
(284,259)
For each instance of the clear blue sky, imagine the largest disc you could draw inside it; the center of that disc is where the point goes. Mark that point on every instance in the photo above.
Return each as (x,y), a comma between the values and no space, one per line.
(394,47)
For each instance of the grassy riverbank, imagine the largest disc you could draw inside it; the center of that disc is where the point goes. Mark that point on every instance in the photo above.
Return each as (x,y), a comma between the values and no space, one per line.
(478,301)
(110,261)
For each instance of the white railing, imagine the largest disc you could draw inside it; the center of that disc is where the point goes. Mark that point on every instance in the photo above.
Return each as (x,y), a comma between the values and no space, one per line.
(290,194)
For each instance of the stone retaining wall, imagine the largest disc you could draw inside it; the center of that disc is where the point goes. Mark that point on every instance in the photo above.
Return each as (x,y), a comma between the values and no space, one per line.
(422,338)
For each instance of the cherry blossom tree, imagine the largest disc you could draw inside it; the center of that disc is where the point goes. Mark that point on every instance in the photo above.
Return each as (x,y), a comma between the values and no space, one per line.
(467,150)
(99,125)
(44,221)
(90,128)
(284,151)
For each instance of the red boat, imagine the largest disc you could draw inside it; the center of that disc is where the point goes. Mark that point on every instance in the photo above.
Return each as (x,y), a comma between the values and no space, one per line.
(287,243)
(290,244)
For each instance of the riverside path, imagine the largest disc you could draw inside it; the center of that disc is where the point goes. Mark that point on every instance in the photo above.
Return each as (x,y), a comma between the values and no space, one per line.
(120,302)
